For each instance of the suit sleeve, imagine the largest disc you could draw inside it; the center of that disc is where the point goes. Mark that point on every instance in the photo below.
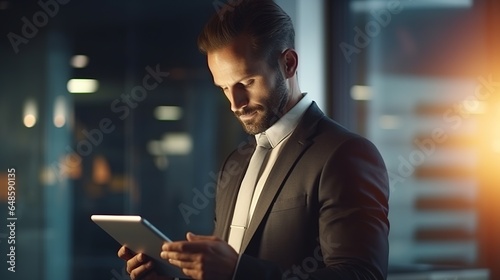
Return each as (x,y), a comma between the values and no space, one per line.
(353,224)
(353,193)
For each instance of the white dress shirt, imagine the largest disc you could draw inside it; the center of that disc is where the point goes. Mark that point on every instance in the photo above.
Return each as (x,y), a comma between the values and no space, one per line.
(277,135)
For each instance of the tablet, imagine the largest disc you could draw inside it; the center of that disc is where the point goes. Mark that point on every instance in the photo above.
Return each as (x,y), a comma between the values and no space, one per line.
(137,234)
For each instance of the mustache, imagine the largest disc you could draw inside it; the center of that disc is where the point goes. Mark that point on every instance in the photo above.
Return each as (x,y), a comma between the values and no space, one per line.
(246,111)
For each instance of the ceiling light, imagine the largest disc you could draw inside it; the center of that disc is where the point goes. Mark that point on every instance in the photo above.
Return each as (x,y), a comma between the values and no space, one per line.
(29,121)
(82,85)
(59,117)
(79,61)
(177,144)
(30,113)
(168,113)
(361,93)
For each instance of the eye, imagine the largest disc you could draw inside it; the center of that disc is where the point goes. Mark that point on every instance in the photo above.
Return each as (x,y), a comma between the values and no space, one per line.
(249,82)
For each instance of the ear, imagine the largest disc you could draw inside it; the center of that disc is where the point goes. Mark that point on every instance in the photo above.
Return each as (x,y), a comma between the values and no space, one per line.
(291,62)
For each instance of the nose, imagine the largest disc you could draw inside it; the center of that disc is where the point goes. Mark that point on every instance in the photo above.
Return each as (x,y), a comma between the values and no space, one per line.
(238,97)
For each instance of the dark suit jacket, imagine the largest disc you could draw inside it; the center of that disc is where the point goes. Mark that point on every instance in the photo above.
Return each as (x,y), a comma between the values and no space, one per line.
(323,211)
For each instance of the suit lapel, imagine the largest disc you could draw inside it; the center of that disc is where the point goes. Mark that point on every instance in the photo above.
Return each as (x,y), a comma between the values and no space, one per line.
(291,152)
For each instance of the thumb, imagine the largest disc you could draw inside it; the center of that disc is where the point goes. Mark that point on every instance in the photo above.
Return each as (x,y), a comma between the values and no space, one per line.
(193,237)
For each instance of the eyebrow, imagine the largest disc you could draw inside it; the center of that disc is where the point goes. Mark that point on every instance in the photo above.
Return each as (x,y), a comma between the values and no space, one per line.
(239,81)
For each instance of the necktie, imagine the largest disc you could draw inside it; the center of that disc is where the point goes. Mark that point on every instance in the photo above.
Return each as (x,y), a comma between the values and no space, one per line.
(241,211)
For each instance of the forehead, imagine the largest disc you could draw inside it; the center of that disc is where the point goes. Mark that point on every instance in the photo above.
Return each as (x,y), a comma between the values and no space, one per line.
(234,61)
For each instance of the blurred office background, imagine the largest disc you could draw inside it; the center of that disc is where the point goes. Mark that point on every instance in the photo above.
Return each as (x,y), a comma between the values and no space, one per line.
(89,132)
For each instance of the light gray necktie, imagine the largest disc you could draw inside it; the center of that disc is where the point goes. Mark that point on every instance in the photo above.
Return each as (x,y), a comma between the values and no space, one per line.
(241,211)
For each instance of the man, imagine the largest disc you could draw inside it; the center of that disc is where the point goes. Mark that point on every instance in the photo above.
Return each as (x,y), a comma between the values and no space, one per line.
(318,207)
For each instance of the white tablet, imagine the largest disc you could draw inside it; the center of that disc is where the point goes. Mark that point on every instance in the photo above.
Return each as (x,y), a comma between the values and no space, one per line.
(137,234)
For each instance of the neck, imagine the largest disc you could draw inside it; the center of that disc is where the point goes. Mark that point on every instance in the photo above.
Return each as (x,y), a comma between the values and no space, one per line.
(294,95)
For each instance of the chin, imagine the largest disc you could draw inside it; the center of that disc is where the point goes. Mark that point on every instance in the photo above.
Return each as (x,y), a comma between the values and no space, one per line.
(252,128)
(255,126)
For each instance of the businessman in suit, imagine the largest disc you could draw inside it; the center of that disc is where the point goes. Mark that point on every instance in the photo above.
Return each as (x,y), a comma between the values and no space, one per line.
(318,206)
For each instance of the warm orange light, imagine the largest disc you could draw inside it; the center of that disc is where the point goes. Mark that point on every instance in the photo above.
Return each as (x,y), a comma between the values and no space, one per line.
(101,172)
(72,166)
(59,117)
(3,178)
(30,112)
(29,120)
(59,121)
(495,130)
(496,146)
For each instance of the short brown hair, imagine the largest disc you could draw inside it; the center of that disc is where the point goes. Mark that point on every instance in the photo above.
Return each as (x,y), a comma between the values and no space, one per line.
(269,27)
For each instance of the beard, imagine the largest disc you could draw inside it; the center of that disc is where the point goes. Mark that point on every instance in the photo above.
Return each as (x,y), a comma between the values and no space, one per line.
(269,112)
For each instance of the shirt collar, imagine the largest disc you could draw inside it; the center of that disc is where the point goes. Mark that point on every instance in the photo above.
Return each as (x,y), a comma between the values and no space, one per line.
(287,124)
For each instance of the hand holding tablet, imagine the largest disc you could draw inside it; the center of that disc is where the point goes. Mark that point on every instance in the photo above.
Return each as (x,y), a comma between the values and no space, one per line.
(138,235)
